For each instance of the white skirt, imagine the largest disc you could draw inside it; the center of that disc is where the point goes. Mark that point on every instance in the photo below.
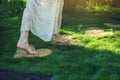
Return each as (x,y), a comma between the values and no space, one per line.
(42,18)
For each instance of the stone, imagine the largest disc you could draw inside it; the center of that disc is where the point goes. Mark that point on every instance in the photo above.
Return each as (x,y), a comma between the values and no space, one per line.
(13,75)
(94,31)
(112,25)
(71,41)
(22,53)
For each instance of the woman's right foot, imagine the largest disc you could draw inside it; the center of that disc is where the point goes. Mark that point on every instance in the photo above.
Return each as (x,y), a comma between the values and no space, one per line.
(57,38)
(27,48)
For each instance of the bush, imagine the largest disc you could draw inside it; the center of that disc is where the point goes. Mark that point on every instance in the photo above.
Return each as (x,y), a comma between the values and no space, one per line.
(82,6)
(114,13)
(10,8)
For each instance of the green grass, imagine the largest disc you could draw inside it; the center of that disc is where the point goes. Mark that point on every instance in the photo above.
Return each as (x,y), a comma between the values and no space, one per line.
(94,58)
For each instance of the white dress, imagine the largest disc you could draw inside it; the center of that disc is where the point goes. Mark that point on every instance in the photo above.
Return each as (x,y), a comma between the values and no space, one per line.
(42,18)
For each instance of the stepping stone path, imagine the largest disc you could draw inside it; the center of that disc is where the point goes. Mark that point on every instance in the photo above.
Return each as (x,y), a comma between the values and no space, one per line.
(94,31)
(43,51)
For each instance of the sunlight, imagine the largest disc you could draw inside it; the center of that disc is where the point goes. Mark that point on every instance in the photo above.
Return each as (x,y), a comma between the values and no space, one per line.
(91,5)
(101,8)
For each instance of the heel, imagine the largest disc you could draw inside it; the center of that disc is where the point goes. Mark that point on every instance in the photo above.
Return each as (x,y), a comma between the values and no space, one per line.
(20,53)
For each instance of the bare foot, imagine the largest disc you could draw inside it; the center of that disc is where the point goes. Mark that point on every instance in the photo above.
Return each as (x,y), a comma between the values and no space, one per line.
(59,39)
(26,47)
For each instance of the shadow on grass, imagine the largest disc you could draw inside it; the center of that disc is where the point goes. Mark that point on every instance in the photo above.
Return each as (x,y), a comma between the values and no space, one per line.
(77,62)
(11,75)
(68,63)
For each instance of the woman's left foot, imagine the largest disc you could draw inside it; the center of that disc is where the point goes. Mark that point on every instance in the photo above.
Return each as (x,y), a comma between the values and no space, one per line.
(25,46)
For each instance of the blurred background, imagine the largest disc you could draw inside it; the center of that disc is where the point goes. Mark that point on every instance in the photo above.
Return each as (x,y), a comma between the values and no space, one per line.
(71,7)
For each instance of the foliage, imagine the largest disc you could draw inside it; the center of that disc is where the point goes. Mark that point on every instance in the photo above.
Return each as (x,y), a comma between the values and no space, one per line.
(11,8)
(93,7)
(71,5)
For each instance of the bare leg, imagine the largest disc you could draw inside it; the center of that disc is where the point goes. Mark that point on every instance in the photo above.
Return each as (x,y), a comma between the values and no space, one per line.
(23,43)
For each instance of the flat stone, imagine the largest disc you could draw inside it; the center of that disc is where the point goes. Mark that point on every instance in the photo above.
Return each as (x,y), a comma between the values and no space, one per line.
(11,75)
(22,53)
(112,25)
(94,31)
(71,41)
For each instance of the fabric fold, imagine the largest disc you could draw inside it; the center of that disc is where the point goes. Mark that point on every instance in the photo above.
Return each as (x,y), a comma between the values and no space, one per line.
(43,18)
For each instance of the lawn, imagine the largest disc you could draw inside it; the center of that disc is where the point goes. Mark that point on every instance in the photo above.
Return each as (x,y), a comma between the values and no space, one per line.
(94,58)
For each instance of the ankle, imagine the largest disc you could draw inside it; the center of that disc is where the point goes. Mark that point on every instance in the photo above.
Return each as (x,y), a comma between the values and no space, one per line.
(23,44)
